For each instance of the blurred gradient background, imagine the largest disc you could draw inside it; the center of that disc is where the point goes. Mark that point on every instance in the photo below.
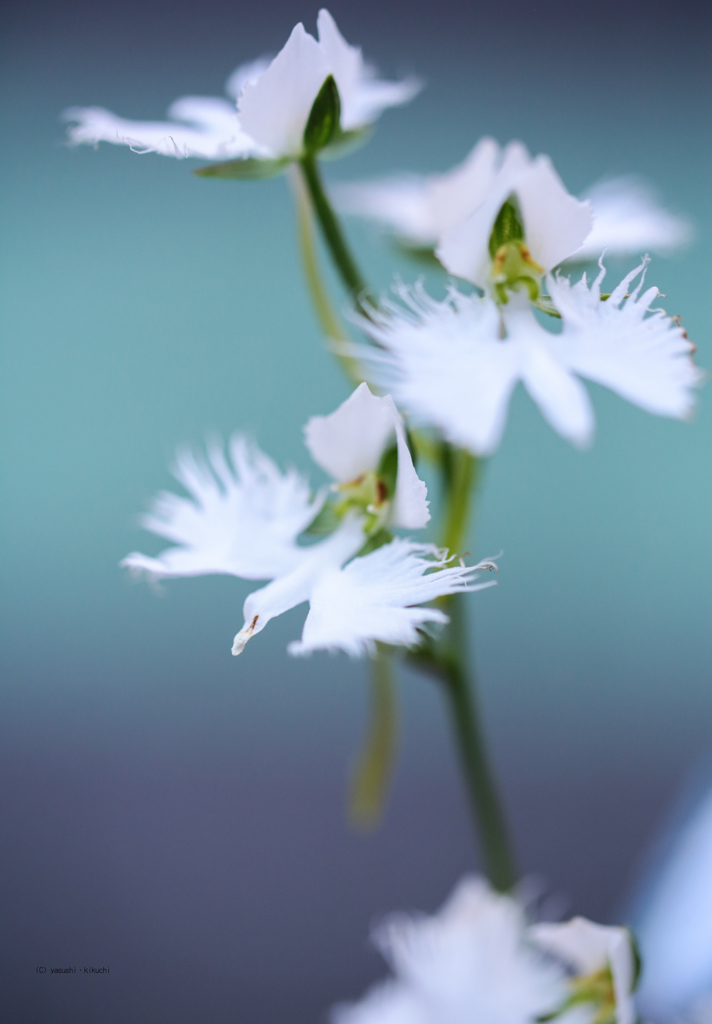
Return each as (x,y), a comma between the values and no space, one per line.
(178,815)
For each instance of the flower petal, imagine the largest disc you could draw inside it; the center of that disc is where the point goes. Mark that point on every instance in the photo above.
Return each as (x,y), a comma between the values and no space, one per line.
(562,399)
(351,441)
(295,587)
(445,364)
(242,518)
(373,598)
(212,137)
(275,107)
(637,351)
(628,219)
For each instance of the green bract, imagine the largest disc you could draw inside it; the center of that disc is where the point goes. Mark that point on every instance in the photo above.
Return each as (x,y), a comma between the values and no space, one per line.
(324,122)
(249,169)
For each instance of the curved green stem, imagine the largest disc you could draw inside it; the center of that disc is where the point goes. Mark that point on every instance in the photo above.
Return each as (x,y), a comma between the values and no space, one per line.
(331,230)
(325,313)
(447,659)
(472,749)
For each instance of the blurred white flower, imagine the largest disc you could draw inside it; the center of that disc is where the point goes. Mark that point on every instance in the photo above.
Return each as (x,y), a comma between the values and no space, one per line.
(374,598)
(470,962)
(453,365)
(603,964)
(419,209)
(244,517)
(274,100)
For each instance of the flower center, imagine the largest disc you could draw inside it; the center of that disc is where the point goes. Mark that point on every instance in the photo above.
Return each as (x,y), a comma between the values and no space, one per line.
(513,266)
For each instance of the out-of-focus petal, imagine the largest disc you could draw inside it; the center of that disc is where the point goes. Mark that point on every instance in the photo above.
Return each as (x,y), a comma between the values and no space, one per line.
(204,141)
(628,219)
(242,517)
(245,73)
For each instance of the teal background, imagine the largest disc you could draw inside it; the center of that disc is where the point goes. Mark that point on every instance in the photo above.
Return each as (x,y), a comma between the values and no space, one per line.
(174,813)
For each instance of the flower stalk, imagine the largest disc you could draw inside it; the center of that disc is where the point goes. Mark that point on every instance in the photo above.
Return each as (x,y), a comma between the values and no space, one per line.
(447,659)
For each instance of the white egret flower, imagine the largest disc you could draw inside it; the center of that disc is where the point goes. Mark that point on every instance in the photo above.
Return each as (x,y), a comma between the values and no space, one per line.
(274,100)
(604,965)
(244,517)
(453,365)
(471,961)
(375,597)
(419,209)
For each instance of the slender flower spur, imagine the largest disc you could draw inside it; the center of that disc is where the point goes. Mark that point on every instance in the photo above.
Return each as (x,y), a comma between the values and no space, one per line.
(420,209)
(453,365)
(274,102)
(245,518)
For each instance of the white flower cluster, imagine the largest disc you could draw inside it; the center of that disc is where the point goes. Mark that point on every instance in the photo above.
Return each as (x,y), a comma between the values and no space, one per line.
(478,959)
(246,518)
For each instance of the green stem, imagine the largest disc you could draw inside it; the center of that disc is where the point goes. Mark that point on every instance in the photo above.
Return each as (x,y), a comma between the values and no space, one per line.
(461,475)
(325,313)
(481,788)
(331,230)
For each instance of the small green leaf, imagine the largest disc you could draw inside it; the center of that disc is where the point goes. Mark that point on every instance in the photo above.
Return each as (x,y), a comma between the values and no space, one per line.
(375,764)
(324,123)
(507,227)
(324,522)
(249,169)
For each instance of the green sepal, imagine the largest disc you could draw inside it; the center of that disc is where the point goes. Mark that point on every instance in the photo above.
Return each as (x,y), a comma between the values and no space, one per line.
(324,122)
(374,767)
(346,142)
(250,169)
(324,522)
(545,304)
(375,541)
(507,227)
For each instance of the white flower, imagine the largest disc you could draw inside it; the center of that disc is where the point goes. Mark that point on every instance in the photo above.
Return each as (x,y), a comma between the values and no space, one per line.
(274,100)
(374,598)
(351,442)
(453,364)
(419,209)
(470,962)
(555,223)
(602,960)
(244,517)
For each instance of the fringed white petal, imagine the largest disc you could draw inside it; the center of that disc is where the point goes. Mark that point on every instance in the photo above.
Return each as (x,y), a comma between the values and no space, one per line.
(625,344)
(444,364)
(212,131)
(374,598)
(242,517)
